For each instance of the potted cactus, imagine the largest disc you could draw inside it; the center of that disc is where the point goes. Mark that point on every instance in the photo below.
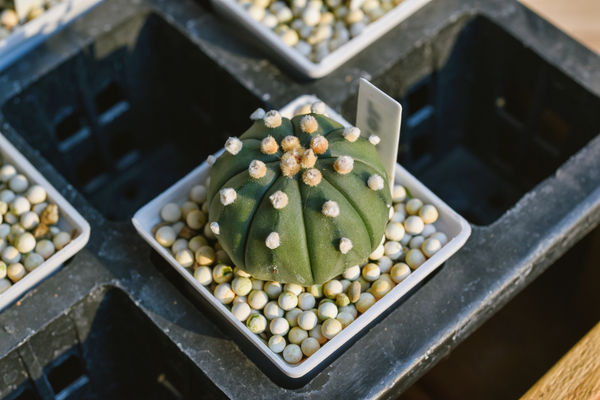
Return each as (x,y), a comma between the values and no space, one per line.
(300,200)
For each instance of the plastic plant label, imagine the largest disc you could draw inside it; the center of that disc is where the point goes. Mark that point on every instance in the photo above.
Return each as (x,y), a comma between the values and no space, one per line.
(380,115)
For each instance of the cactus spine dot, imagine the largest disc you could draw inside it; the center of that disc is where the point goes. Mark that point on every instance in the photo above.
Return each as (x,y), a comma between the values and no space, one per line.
(233,145)
(351,134)
(343,164)
(258,114)
(318,107)
(308,159)
(269,145)
(312,177)
(289,164)
(375,182)
(211,160)
(273,241)
(345,245)
(374,139)
(257,169)
(272,119)
(278,199)
(319,144)
(228,196)
(214,227)
(290,143)
(309,124)
(331,209)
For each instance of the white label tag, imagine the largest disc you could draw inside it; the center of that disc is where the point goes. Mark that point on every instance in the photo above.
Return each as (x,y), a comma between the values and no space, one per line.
(378,114)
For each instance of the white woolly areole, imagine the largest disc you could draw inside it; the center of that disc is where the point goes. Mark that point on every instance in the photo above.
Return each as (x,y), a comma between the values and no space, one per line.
(272,119)
(312,177)
(258,114)
(331,209)
(228,196)
(211,160)
(374,139)
(318,107)
(273,241)
(351,134)
(233,145)
(343,164)
(257,169)
(375,182)
(269,145)
(308,124)
(319,144)
(345,245)
(214,227)
(278,199)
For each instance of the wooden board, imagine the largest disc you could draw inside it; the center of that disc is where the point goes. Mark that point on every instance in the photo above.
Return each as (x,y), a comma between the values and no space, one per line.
(576,376)
(579,18)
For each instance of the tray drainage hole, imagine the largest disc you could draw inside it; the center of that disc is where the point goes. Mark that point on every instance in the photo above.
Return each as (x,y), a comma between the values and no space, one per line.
(68,126)
(66,374)
(91,167)
(27,394)
(553,129)
(418,99)
(517,102)
(108,97)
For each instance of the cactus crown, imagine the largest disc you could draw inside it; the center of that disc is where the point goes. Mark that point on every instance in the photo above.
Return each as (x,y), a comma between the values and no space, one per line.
(300,200)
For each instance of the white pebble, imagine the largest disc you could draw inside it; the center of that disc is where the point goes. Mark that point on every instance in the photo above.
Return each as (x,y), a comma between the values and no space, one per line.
(45,248)
(61,239)
(307,320)
(428,230)
(185,257)
(20,205)
(224,294)
(416,242)
(241,311)
(400,272)
(178,245)
(198,194)
(277,344)
(292,354)
(272,289)
(345,319)
(352,273)
(29,220)
(366,301)
(11,255)
(170,212)
(287,301)
(297,335)
(428,213)
(165,236)
(331,328)
(385,264)
(327,310)
(414,225)
(25,242)
(311,16)
(399,194)
(443,239)
(18,183)
(203,275)
(279,326)
(431,246)
(272,311)
(256,323)
(394,231)
(258,299)
(371,272)
(378,253)
(7,172)
(33,261)
(413,206)
(36,194)
(414,258)
(306,301)
(292,316)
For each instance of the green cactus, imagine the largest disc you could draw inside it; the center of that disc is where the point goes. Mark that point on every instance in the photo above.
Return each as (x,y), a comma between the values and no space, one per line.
(298,201)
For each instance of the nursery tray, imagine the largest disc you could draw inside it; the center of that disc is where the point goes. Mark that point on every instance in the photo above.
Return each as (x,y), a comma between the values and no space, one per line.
(453,225)
(290,57)
(70,221)
(25,37)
